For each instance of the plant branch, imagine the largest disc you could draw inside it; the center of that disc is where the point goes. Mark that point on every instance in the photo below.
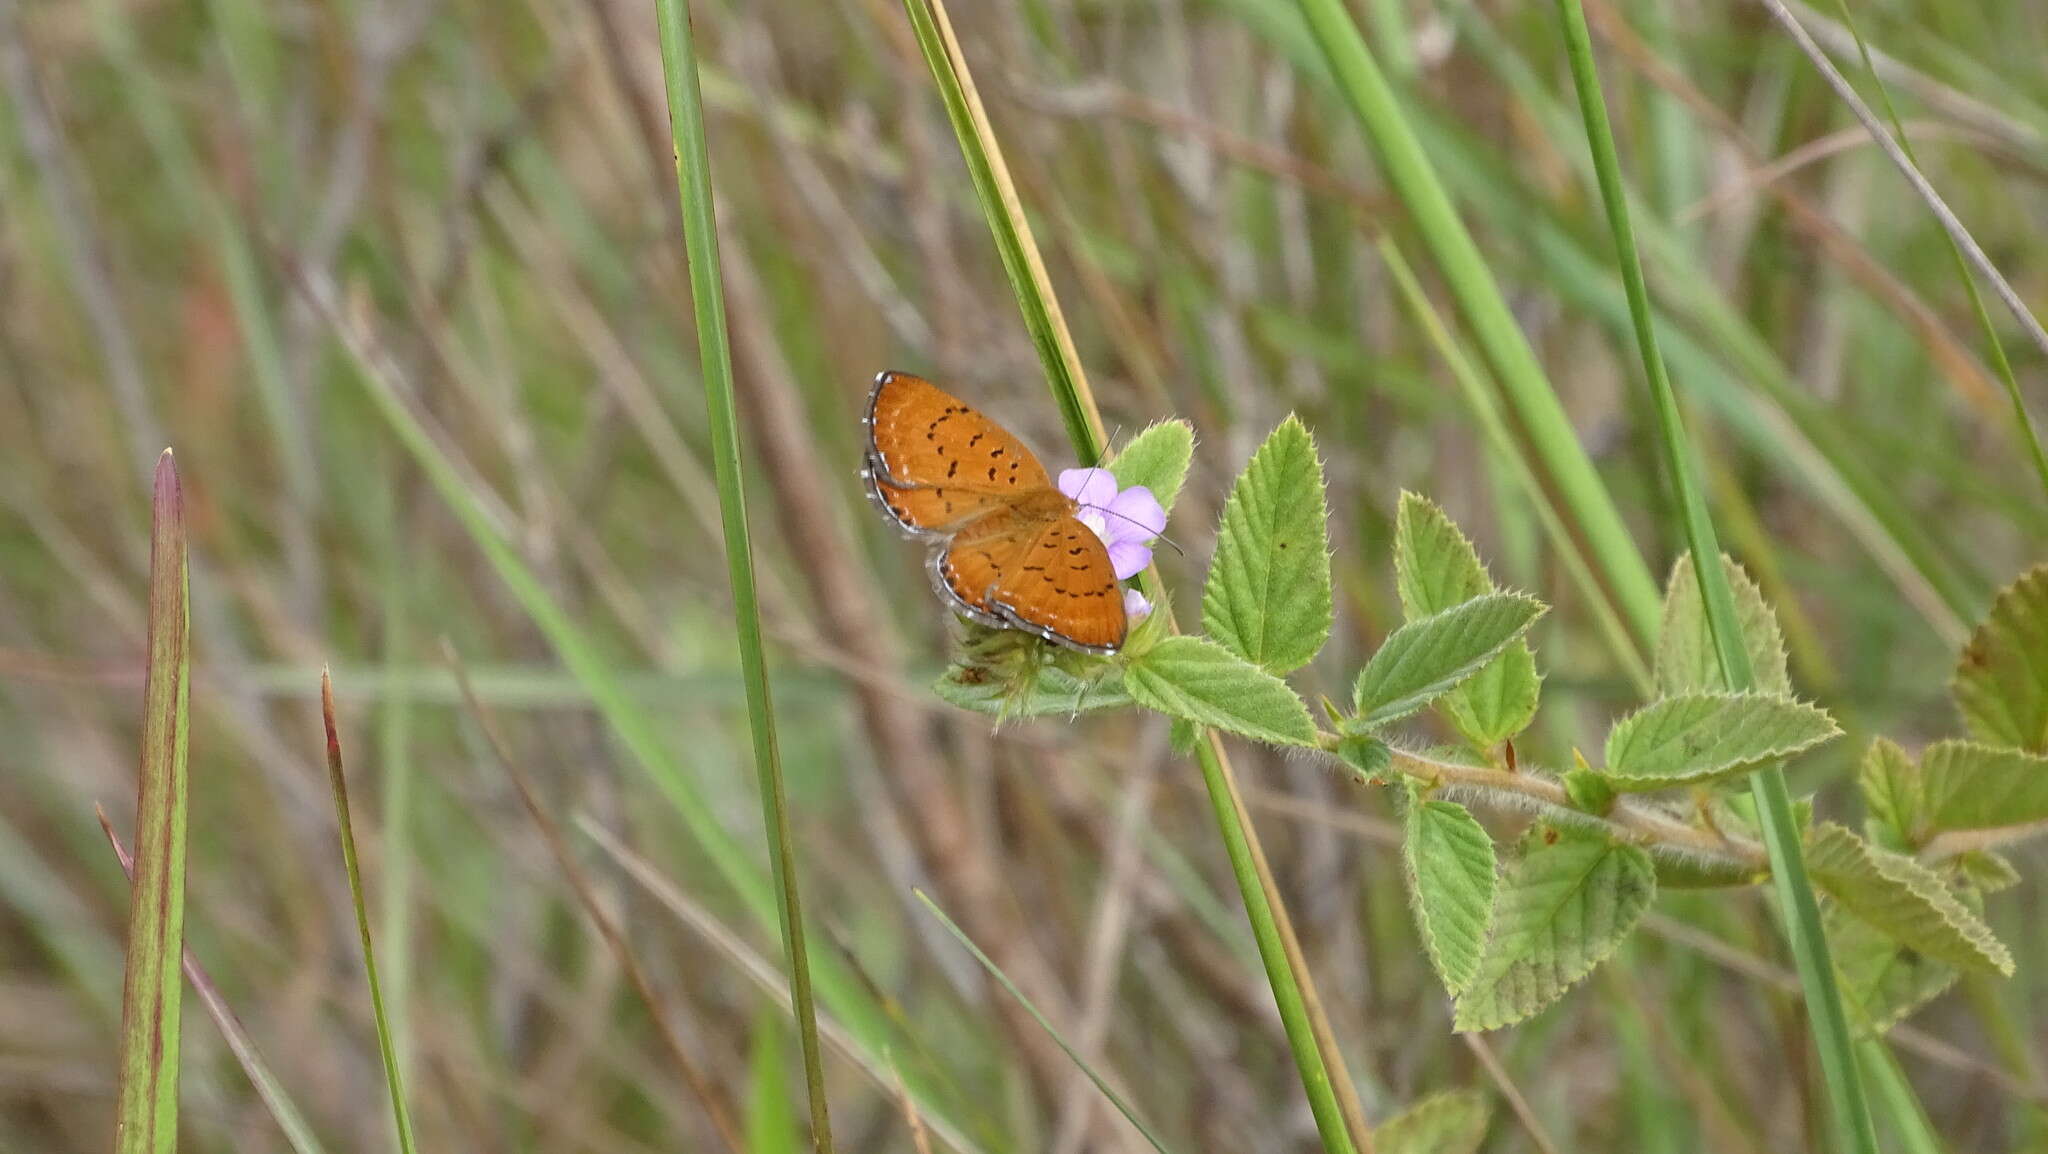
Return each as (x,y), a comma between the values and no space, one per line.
(1528,788)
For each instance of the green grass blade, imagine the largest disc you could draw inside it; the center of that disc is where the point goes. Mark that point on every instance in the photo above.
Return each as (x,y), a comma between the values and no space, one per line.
(2021,420)
(995,971)
(151,989)
(394,1080)
(1007,224)
(396,767)
(1774,804)
(1407,167)
(1340,1119)
(297,1131)
(700,236)
(1915,1134)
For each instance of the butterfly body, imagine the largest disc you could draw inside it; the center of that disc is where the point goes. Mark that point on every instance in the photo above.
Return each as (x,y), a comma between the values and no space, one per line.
(1012,552)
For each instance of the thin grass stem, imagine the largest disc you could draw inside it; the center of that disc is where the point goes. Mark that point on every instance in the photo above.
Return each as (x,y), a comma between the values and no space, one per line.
(1340,1117)
(700,238)
(1108,1091)
(1958,235)
(394,1079)
(1799,907)
(694,1078)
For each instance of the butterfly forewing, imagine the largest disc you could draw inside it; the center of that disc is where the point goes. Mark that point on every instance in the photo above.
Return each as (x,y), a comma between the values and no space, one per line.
(928,511)
(1063,587)
(923,437)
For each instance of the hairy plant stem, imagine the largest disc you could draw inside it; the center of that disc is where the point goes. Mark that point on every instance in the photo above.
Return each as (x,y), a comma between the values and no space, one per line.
(1528,788)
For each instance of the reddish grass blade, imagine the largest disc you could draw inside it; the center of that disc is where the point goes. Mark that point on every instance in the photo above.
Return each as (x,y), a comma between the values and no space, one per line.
(394,1081)
(296,1130)
(151,989)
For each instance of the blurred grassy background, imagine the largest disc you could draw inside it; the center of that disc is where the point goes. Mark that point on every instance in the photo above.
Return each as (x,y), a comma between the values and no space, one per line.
(400,278)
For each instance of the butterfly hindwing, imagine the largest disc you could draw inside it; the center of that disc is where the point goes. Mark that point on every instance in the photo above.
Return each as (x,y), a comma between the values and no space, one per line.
(972,565)
(1063,587)
(920,436)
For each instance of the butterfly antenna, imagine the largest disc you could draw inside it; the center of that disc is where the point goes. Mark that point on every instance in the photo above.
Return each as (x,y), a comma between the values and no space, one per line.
(1160,537)
(1113,435)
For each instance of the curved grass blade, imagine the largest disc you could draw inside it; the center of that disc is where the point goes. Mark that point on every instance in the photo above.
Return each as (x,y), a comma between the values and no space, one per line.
(707,292)
(147,1120)
(1829,1021)
(2021,420)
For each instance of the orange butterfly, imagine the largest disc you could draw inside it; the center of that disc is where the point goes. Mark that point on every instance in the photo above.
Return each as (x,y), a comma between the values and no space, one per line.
(1015,553)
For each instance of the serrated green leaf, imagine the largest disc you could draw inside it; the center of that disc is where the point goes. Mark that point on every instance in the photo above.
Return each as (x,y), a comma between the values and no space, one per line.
(1183,735)
(1268,595)
(1368,757)
(2001,680)
(1156,458)
(1452,1122)
(1881,981)
(1561,911)
(1709,736)
(1987,870)
(1956,785)
(1587,791)
(1195,678)
(1686,659)
(1497,702)
(1890,784)
(1424,659)
(1965,785)
(1436,568)
(1902,898)
(1050,692)
(1451,880)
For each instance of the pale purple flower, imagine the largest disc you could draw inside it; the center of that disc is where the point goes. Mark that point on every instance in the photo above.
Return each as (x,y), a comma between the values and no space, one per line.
(1136,608)
(1127,520)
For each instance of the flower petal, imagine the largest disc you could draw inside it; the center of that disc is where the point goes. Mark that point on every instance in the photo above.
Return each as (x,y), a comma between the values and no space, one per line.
(1095,487)
(1136,608)
(1135,515)
(1128,558)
